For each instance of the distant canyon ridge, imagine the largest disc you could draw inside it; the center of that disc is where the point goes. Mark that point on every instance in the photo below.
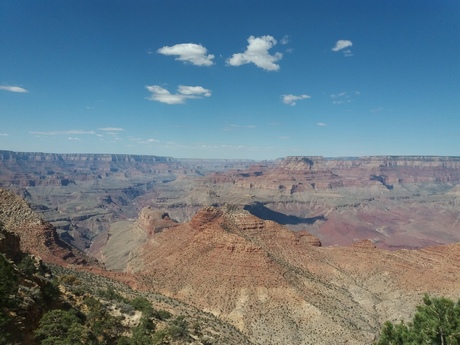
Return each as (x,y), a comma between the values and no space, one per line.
(393,201)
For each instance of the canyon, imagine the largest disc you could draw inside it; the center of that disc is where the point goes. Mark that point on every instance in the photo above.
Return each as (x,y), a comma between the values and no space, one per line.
(300,250)
(397,202)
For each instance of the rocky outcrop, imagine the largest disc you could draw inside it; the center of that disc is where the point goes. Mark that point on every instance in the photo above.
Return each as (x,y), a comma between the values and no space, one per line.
(9,245)
(154,221)
(37,237)
(204,216)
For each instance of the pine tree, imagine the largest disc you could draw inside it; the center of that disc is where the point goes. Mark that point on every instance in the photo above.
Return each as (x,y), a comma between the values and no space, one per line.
(436,322)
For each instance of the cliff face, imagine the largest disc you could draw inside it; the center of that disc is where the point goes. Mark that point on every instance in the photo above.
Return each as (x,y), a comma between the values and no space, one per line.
(301,174)
(154,221)
(49,169)
(63,158)
(37,237)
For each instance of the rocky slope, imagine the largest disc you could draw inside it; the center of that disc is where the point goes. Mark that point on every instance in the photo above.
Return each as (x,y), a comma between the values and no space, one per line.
(281,287)
(30,289)
(37,236)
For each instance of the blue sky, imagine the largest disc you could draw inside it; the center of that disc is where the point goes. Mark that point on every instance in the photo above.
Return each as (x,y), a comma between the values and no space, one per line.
(231,79)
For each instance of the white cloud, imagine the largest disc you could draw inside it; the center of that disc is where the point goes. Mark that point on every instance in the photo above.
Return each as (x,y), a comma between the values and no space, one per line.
(257,53)
(344,97)
(111,129)
(189,52)
(74,138)
(193,91)
(285,40)
(321,124)
(291,99)
(70,132)
(342,44)
(148,141)
(162,95)
(13,89)
(3,134)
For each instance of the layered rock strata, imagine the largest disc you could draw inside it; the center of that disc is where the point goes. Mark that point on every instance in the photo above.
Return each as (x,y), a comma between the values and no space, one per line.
(277,288)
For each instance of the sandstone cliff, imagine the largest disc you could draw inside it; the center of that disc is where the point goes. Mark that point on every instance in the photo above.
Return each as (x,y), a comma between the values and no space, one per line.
(36,236)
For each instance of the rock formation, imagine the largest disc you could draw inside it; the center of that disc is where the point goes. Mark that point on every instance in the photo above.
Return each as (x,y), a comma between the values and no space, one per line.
(278,288)
(36,236)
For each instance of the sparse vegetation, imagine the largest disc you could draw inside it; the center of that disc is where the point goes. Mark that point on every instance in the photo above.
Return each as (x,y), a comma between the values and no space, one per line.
(41,304)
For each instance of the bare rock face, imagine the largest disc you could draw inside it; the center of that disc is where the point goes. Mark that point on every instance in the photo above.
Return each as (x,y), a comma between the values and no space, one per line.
(300,174)
(204,216)
(306,237)
(364,244)
(9,245)
(154,221)
(36,236)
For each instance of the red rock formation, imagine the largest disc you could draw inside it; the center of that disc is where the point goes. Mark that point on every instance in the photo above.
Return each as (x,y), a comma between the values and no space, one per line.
(298,174)
(154,221)
(36,236)
(276,288)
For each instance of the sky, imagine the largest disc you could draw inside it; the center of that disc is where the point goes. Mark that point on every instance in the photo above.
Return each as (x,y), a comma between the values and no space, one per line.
(231,79)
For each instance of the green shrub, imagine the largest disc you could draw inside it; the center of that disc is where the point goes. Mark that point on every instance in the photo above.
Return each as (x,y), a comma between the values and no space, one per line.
(179,328)
(59,327)
(27,265)
(142,304)
(111,295)
(435,322)
(162,314)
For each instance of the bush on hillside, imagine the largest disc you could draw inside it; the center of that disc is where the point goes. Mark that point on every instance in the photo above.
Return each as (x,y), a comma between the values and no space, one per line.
(437,321)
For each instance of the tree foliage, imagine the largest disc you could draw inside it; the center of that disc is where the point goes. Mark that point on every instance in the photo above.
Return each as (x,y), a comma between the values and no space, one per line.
(8,285)
(60,327)
(437,321)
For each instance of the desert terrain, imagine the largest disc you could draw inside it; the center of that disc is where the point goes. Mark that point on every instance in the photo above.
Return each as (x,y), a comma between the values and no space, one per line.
(300,250)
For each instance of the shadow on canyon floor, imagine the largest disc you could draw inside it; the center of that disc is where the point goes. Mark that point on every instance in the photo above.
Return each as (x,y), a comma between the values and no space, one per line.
(258,209)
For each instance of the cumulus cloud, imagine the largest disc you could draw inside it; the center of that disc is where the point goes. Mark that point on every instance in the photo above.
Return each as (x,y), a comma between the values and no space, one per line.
(257,53)
(162,95)
(341,44)
(193,53)
(69,132)
(193,90)
(291,99)
(13,89)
